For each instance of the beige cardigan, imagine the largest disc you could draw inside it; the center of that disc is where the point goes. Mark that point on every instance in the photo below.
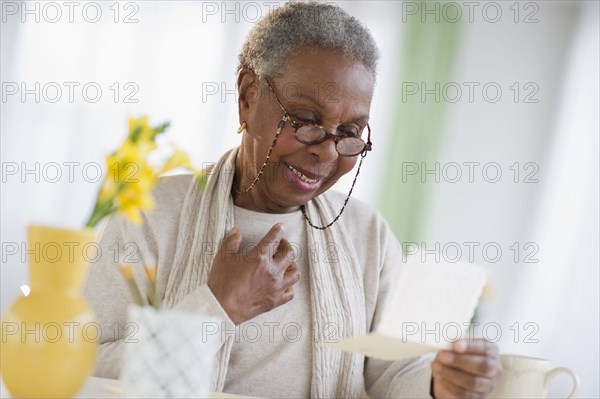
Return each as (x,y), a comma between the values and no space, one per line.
(377,249)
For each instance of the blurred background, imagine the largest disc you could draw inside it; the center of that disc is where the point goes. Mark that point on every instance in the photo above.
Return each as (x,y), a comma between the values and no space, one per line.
(485,132)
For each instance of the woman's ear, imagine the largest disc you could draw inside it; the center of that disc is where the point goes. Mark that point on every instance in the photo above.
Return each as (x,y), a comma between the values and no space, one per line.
(248,90)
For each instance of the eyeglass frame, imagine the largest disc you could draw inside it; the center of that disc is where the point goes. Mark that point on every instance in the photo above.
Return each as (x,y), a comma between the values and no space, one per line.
(368,145)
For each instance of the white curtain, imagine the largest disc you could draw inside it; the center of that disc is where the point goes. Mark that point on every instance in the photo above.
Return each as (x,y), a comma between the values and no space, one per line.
(561,292)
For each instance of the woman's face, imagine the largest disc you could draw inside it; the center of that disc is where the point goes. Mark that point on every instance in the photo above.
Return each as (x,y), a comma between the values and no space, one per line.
(317,85)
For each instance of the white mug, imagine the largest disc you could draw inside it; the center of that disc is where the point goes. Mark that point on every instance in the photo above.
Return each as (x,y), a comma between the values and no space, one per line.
(528,377)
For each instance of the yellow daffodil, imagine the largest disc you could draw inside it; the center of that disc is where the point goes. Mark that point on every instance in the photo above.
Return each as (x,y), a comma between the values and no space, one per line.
(140,129)
(179,159)
(127,271)
(130,179)
(150,273)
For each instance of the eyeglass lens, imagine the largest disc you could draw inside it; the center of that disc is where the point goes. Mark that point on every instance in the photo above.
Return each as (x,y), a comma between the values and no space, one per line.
(311,134)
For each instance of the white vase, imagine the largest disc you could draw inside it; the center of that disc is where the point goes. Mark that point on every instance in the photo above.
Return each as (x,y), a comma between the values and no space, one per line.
(165,355)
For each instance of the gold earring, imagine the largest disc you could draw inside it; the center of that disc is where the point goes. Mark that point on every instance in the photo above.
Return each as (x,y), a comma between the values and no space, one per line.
(242,127)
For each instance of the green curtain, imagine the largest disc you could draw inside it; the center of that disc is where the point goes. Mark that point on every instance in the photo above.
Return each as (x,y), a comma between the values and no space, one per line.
(430,49)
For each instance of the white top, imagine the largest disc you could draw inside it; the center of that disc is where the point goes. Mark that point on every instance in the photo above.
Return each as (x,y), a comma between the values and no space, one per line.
(274,342)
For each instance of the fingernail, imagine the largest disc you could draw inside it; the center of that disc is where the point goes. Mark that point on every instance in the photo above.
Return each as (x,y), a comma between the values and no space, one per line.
(460,346)
(232,231)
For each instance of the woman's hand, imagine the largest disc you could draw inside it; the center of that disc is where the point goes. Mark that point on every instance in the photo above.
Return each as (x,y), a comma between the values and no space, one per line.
(251,283)
(469,370)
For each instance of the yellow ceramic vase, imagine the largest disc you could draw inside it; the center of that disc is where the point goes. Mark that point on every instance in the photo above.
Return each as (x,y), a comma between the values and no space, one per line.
(49,337)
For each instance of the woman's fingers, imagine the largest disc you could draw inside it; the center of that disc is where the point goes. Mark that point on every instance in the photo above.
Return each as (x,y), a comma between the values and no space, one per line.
(266,246)
(284,253)
(481,365)
(287,295)
(291,276)
(231,243)
(478,357)
(467,381)
(478,346)
(470,369)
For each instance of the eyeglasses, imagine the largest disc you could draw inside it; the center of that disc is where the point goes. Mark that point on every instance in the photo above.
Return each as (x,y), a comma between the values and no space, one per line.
(347,144)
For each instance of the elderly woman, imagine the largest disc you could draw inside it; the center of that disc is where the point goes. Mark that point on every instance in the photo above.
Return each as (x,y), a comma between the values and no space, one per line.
(265,241)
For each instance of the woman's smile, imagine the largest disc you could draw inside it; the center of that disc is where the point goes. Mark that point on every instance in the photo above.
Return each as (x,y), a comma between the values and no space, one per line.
(301,178)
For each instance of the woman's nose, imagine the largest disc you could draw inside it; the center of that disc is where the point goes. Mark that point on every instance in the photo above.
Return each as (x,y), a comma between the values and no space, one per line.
(325,151)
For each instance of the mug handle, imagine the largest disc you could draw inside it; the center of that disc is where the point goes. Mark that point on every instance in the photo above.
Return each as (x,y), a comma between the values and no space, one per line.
(558,370)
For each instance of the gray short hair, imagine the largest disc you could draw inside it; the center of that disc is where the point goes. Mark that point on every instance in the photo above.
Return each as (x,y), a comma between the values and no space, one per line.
(297,24)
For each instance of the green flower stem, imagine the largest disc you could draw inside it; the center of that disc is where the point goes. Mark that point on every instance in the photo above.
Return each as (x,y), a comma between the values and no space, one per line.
(100,211)
(152,299)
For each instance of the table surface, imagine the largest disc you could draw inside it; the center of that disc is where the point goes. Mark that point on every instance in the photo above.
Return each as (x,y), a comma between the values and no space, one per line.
(103,388)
